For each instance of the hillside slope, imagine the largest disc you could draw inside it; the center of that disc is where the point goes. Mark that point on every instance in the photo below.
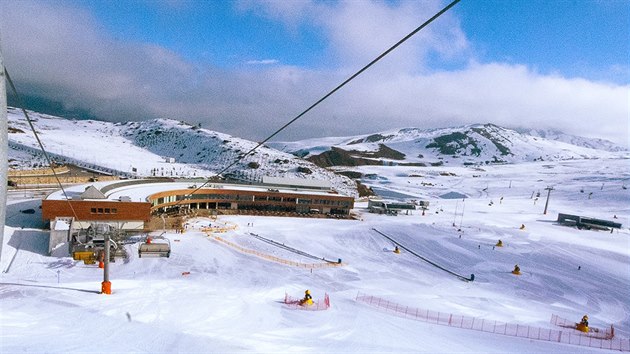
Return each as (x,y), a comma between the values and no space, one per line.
(142,149)
(467,145)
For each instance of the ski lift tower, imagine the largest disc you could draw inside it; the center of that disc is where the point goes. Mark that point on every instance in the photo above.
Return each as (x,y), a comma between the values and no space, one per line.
(4,147)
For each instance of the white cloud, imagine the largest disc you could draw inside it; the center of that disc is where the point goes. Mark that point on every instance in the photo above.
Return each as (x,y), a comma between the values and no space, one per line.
(60,52)
(262,62)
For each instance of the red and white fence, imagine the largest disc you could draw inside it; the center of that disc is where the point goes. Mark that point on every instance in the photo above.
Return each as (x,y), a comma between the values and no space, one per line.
(516,330)
(594,332)
(317,305)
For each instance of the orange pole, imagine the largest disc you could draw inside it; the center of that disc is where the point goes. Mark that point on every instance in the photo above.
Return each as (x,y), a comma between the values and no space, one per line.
(106,287)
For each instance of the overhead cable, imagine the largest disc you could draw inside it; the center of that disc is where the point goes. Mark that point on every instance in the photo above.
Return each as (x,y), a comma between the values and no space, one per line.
(404,39)
(41,146)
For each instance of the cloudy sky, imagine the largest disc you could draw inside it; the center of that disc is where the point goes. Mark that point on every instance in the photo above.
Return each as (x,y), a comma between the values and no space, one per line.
(247,67)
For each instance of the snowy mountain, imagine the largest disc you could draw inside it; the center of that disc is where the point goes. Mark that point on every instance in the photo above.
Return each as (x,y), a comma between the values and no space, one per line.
(148,148)
(467,145)
(226,288)
(592,143)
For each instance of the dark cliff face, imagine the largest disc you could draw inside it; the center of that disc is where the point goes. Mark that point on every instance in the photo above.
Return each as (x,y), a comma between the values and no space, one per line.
(340,157)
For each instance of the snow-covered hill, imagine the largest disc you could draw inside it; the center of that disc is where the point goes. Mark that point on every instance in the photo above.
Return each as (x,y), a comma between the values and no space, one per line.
(143,149)
(466,145)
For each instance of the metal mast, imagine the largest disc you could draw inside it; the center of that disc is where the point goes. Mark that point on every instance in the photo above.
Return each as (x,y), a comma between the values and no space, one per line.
(548,189)
(4,146)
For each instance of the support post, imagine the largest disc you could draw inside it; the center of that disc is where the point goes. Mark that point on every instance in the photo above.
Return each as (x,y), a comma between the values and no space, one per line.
(548,189)
(4,147)
(106,286)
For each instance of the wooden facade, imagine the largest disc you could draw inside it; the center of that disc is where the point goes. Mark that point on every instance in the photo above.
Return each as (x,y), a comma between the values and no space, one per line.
(96,210)
(237,199)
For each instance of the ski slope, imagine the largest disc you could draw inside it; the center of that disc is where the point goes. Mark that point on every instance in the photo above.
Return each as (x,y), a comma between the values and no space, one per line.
(232,302)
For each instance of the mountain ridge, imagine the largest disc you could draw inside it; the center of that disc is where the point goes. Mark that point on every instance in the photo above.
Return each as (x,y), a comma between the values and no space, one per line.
(148,148)
(472,144)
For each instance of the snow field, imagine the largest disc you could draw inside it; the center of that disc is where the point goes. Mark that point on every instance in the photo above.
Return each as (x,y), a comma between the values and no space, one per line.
(232,302)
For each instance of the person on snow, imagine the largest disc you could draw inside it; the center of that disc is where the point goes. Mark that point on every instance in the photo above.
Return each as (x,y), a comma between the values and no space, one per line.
(584,321)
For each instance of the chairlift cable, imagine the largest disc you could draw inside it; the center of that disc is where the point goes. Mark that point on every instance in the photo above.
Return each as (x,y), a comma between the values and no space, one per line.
(404,39)
(41,146)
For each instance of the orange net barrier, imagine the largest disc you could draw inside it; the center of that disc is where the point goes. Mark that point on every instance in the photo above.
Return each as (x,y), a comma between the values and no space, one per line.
(607,333)
(274,258)
(516,330)
(220,229)
(296,304)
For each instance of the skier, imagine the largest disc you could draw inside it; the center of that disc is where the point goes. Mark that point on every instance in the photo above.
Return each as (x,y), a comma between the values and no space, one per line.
(584,320)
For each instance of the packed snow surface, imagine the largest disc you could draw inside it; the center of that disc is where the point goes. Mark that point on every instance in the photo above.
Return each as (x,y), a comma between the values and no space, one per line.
(211,297)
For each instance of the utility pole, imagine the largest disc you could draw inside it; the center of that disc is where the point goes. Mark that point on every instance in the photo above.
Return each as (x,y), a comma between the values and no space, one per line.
(106,286)
(4,147)
(548,189)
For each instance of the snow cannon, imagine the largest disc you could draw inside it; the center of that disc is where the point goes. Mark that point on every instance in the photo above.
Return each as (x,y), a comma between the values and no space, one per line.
(307,300)
(517,270)
(397,250)
(499,243)
(583,325)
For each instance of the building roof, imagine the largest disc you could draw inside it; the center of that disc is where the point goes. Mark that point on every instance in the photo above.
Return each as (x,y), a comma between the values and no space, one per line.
(139,192)
(453,195)
(92,192)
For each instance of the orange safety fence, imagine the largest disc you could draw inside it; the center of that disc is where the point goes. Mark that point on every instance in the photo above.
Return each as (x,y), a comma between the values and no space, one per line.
(594,332)
(490,326)
(220,229)
(274,258)
(319,305)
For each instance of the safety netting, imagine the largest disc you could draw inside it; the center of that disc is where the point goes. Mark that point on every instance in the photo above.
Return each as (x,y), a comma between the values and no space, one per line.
(601,339)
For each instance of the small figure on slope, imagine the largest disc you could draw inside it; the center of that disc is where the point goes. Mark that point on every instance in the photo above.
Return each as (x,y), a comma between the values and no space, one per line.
(307,300)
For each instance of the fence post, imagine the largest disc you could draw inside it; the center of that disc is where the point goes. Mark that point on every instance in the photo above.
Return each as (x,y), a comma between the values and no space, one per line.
(528,327)
(450,319)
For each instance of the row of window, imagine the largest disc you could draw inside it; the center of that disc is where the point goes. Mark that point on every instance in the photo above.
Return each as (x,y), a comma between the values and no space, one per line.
(104,211)
(237,197)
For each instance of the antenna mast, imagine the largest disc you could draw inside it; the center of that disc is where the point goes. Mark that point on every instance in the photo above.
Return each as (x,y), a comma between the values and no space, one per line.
(4,147)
